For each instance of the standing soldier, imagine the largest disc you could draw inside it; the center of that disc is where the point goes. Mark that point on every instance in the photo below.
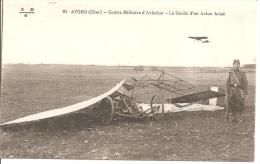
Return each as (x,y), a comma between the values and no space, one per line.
(236,91)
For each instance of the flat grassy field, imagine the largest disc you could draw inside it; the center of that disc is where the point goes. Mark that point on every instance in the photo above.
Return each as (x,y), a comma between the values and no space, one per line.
(189,136)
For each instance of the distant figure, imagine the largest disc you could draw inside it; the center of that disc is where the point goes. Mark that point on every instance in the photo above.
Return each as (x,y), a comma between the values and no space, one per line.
(236,91)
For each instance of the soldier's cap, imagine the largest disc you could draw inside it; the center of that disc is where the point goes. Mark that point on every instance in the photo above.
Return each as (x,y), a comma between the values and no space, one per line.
(236,61)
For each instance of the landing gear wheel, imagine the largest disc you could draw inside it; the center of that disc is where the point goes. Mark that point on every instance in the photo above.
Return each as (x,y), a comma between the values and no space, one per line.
(107,110)
(155,100)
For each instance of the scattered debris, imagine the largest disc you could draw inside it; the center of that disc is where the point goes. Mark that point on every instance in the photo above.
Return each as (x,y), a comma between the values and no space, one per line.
(94,150)
(104,158)
(117,154)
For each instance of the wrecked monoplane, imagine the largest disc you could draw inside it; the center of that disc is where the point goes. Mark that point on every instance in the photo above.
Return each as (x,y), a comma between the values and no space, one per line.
(174,95)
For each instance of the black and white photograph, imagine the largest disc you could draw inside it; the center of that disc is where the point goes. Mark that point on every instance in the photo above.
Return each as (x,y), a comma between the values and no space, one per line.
(128,80)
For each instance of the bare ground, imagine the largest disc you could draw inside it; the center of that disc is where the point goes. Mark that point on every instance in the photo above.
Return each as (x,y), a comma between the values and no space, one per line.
(196,136)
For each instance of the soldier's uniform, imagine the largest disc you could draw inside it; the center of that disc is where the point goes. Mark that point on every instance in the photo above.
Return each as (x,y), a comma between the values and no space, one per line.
(236,89)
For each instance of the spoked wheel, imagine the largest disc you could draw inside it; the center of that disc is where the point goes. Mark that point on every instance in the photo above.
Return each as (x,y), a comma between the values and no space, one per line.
(155,104)
(107,110)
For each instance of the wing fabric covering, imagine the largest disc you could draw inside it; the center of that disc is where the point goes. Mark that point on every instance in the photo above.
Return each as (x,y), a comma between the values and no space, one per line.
(196,97)
(65,110)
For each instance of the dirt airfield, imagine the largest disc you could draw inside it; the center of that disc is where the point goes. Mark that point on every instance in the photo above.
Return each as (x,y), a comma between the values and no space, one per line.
(185,136)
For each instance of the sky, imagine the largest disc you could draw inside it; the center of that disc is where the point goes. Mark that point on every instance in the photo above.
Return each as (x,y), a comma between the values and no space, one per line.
(50,36)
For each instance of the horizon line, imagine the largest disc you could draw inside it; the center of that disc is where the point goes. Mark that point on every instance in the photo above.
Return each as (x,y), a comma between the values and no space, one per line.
(117,65)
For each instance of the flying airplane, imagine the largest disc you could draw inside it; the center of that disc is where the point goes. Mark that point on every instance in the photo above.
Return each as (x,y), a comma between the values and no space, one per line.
(198,38)
(120,101)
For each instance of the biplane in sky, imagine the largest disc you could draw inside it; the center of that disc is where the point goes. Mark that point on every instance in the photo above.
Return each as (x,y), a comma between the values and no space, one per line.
(202,39)
(198,38)
(173,95)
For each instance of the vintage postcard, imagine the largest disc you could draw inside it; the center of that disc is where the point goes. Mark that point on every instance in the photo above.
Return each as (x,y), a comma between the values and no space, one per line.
(128,80)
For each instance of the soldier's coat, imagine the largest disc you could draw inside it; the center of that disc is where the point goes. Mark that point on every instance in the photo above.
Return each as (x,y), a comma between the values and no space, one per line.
(236,89)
